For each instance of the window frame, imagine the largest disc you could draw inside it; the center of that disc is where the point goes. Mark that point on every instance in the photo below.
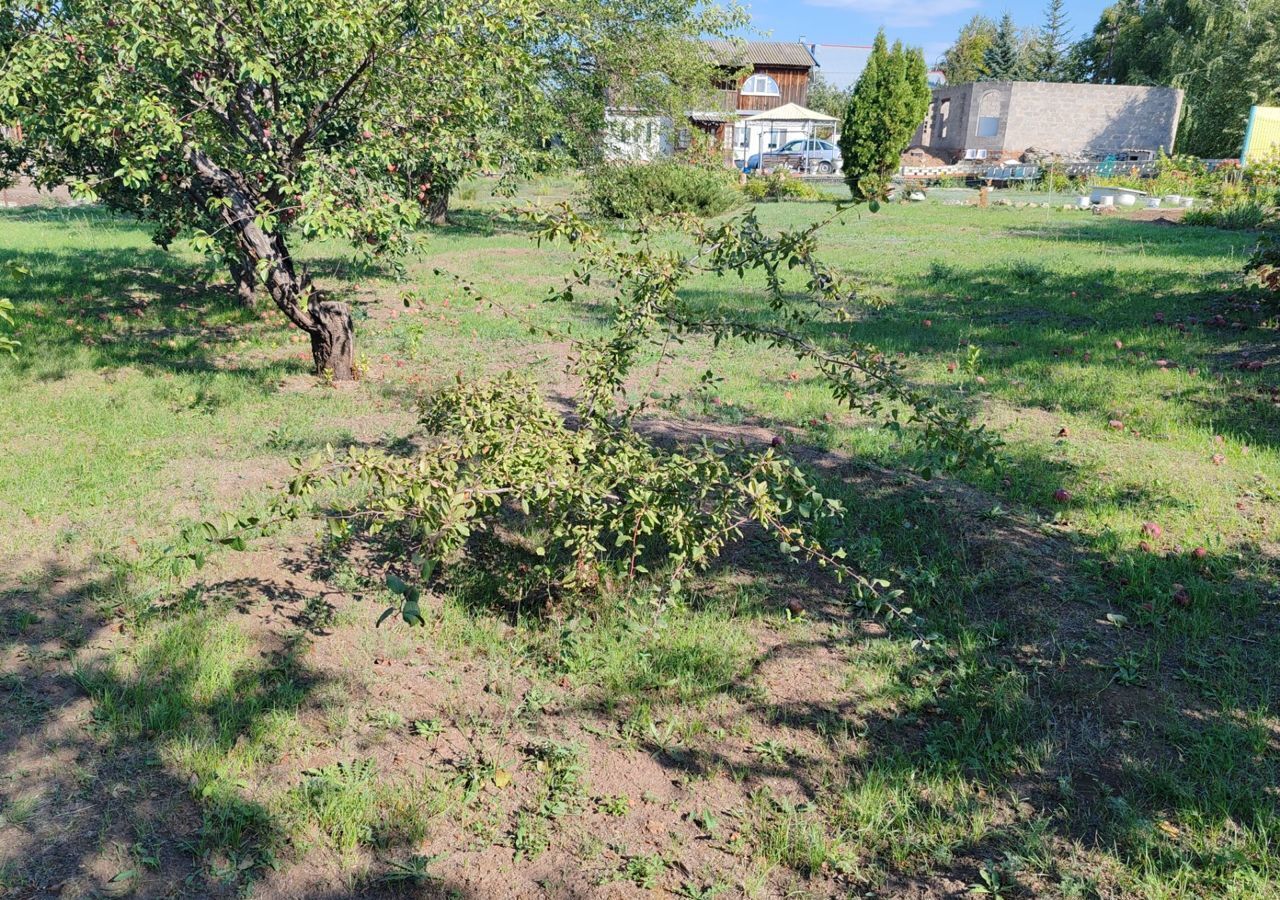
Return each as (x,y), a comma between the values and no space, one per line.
(770,89)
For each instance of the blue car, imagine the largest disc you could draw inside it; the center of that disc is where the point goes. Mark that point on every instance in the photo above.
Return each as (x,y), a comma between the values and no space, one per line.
(805,155)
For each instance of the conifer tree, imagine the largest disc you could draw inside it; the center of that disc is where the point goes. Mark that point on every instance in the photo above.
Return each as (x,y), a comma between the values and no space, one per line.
(1004,59)
(888,104)
(1049,53)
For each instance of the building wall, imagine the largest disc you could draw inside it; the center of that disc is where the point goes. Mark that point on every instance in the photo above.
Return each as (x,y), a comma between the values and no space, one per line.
(793,87)
(1072,120)
(1084,119)
(636,137)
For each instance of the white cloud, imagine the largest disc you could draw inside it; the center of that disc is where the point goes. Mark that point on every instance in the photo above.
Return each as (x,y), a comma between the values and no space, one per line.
(901,13)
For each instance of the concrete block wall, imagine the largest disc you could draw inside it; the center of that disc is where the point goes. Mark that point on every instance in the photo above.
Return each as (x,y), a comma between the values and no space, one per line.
(1073,120)
(1091,119)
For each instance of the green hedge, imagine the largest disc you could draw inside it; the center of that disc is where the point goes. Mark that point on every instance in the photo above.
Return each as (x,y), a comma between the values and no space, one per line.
(778,185)
(633,190)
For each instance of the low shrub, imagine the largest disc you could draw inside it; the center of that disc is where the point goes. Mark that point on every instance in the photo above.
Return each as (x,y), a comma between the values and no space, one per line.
(635,190)
(778,185)
(1237,214)
(1264,265)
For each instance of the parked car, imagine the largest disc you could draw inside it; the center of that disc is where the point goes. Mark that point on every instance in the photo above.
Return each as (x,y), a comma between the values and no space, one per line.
(804,154)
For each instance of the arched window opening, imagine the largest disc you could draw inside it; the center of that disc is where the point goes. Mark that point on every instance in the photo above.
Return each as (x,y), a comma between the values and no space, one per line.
(989,114)
(760,86)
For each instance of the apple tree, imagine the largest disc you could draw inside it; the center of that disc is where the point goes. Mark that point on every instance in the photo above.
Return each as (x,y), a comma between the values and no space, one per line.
(247,125)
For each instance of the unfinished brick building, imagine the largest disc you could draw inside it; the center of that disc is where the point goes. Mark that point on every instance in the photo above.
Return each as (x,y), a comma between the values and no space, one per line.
(1004,119)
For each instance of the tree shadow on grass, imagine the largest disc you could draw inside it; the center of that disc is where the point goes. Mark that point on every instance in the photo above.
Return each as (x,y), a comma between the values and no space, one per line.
(1048,339)
(1014,714)
(109,307)
(94,745)
(1017,711)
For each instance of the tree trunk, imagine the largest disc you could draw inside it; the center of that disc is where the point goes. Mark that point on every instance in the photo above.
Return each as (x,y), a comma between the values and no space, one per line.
(328,322)
(438,206)
(333,343)
(246,282)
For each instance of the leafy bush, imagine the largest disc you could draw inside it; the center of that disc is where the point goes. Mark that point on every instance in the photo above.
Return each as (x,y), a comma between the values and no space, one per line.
(1239,214)
(1264,265)
(635,190)
(778,185)
(598,504)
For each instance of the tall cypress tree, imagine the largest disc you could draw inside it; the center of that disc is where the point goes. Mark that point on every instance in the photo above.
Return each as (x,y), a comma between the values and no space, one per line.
(1004,58)
(888,104)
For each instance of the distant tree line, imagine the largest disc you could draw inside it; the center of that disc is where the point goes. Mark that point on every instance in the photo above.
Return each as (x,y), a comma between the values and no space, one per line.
(1225,56)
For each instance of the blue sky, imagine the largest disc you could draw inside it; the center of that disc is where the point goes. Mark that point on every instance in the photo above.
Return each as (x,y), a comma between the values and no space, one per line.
(930,24)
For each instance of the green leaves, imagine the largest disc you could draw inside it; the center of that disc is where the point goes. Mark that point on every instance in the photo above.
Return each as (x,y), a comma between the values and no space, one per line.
(330,117)
(602,504)
(888,103)
(7,344)
(410,608)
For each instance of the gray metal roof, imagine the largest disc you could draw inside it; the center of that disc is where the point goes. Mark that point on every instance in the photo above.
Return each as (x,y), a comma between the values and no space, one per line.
(762,53)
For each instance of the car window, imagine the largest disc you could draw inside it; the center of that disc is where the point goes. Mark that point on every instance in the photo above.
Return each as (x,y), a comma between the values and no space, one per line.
(794,145)
(823,145)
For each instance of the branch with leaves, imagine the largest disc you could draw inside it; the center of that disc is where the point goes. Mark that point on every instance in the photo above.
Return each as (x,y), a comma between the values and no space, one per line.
(604,502)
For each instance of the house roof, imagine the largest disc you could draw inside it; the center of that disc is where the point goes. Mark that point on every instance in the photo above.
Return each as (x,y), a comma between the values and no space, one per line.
(790,112)
(762,53)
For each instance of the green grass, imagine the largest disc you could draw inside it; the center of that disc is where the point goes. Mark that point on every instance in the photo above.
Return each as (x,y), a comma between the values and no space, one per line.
(1023,732)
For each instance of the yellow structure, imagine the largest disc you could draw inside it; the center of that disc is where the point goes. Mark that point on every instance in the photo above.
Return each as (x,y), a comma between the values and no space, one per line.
(1262,137)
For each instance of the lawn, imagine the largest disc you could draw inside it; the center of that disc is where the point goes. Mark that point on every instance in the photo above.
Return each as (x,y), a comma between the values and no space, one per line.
(1091,710)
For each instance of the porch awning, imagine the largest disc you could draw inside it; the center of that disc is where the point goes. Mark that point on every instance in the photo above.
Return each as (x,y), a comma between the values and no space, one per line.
(791,112)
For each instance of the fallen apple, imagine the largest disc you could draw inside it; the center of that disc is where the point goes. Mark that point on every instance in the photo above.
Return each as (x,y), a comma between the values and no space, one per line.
(1152,529)
(1062,495)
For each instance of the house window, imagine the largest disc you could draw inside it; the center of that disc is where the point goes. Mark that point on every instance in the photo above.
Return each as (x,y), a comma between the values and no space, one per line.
(684,139)
(760,86)
(989,115)
(944,113)
(740,137)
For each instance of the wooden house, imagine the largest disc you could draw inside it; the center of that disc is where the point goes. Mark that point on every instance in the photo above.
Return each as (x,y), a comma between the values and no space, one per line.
(755,77)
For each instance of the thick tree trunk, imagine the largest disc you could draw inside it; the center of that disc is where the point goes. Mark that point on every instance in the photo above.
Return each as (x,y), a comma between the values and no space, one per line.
(438,207)
(245,281)
(333,344)
(327,322)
